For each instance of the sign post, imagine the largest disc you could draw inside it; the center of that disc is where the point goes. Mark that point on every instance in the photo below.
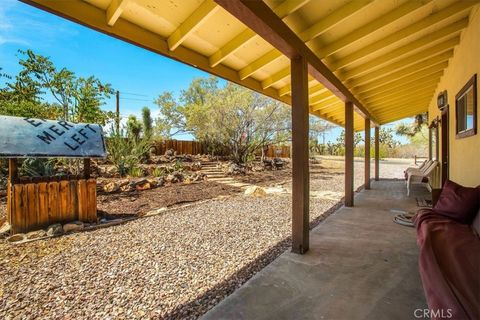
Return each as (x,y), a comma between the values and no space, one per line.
(42,201)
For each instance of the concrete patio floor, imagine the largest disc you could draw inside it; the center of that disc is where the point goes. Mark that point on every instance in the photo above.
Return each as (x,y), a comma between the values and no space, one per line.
(361,265)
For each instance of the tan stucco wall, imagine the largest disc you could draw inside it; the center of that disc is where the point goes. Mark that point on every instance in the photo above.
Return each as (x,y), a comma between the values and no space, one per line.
(464,153)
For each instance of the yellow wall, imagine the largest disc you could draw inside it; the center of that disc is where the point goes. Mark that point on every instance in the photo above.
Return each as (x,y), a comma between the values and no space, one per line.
(465,152)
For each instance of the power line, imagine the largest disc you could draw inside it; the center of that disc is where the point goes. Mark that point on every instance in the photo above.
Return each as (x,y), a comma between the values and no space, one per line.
(134,99)
(134,94)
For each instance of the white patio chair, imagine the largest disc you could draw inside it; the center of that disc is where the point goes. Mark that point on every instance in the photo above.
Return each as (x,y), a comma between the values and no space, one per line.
(423,166)
(420,176)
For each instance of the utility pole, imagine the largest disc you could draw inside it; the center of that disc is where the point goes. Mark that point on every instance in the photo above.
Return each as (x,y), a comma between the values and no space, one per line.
(118,112)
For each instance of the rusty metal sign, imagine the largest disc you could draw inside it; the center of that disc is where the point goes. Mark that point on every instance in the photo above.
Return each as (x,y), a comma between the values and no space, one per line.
(26,137)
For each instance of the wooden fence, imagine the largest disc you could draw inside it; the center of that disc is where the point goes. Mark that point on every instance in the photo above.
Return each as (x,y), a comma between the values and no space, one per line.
(34,205)
(180,146)
(278,152)
(196,147)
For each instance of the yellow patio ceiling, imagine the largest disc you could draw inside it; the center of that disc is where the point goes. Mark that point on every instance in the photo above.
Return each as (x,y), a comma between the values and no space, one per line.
(385,52)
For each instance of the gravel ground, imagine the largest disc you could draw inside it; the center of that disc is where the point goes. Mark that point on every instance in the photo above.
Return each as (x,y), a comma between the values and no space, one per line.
(175,265)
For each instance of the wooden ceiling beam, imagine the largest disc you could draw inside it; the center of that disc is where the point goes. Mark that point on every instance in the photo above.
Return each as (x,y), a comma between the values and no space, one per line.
(405,102)
(320,97)
(419,108)
(425,23)
(409,49)
(307,35)
(401,95)
(326,101)
(115,10)
(336,107)
(365,30)
(403,115)
(411,80)
(410,72)
(277,77)
(317,89)
(423,58)
(260,18)
(333,19)
(192,23)
(404,90)
(329,119)
(283,10)
(358,34)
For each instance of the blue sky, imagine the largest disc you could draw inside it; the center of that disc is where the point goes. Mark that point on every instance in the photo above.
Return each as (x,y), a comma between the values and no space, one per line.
(127,68)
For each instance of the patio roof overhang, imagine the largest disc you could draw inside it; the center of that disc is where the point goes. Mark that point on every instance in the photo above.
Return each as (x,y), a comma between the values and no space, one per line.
(380,58)
(386,57)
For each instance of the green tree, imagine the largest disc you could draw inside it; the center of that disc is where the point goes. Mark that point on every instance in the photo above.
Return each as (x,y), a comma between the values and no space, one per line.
(171,120)
(77,99)
(229,118)
(147,122)
(317,129)
(416,132)
(386,137)
(410,130)
(357,138)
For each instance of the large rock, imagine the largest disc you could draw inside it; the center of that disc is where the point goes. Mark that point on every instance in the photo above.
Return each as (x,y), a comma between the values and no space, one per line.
(236,169)
(73,226)
(17,237)
(170,153)
(36,234)
(55,230)
(255,191)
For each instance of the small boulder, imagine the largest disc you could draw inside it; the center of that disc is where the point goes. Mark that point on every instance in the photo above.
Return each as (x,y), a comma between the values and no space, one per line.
(17,237)
(160,181)
(55,230)
(111,187)
(36,234)
(127,188)
(171,178)
(109,171)
(178,175)
(170,153)
(153,182)
(255,191)
(73,226)
(122,182)
(145,186)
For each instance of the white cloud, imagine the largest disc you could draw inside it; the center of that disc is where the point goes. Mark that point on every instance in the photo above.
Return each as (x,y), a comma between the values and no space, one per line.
(23,25)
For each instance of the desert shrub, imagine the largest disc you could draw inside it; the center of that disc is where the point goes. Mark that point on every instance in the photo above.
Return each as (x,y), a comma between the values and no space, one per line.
(126,154)
(37,167)
(136,172)
(158,172)
(178,166)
